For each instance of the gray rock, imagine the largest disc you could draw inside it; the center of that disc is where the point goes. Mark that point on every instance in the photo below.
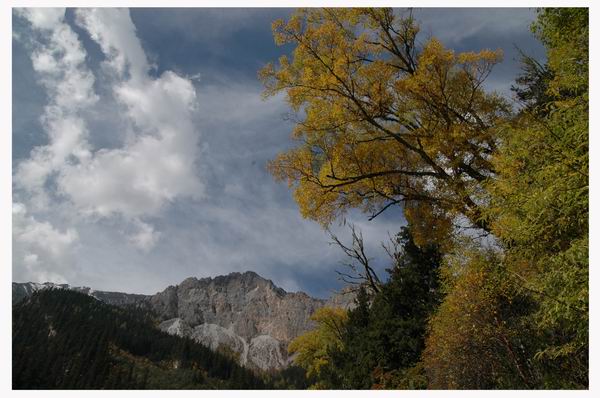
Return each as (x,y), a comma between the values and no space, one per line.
(176,327)
(245,303)
(266,352)
(344,298)
(242,311)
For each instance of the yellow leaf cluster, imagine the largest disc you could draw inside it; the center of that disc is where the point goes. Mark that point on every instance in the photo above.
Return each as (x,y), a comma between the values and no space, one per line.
(312,349)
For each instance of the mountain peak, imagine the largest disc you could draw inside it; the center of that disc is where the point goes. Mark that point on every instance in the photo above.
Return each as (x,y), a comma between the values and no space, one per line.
(247,275)
(243,281)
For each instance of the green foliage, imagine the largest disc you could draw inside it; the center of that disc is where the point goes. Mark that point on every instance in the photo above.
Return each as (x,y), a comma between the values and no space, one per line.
(290,378)
(539,204)
(384,335)
(532,85)
(565,33)
(518,317)
(412,378)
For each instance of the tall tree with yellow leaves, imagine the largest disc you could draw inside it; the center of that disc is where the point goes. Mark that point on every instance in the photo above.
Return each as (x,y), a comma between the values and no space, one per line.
(382,120)
(313,349)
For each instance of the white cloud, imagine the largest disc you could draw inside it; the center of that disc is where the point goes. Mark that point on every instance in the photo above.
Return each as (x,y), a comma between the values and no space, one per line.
(59,63)
(245,104)
(443,23)
(113,30)
(30,259)
(156,163)
(43,18)
(40,251)
(145,238)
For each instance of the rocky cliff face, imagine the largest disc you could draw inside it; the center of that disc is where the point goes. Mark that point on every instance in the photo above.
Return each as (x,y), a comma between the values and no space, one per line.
(242,313)
(245,303)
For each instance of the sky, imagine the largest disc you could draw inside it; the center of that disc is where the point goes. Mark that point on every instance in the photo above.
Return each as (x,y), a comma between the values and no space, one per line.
(140,141)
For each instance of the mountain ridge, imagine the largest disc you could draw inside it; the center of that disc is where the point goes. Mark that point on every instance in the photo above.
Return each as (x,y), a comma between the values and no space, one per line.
(241,312)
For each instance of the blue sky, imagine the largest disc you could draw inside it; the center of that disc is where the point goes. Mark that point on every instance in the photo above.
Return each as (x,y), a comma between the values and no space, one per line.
(140,141)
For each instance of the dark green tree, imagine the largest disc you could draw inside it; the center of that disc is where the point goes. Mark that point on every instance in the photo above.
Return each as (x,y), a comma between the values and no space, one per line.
(385,333)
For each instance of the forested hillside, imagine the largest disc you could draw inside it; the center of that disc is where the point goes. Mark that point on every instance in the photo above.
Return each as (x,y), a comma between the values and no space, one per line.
(67,340)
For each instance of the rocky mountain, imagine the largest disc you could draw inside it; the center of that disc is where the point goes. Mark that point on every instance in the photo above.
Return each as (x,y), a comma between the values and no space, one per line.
(242,313)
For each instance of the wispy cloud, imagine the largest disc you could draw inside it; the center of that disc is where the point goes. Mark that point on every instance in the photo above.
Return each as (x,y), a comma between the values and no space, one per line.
(457,26)
(212,25)
(60,66)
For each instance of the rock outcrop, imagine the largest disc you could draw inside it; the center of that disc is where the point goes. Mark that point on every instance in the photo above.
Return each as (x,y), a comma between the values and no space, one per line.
(244,312)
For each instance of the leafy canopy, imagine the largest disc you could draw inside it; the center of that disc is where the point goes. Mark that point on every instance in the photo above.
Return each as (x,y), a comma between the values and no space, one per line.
(382,121)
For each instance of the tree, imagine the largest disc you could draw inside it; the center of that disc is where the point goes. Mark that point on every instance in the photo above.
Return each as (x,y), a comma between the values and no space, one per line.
(96,345)
(517,316)
(385,334)
(314,348)
(360,264)
(539,203)
(532,85)
(480,337)
(383,121)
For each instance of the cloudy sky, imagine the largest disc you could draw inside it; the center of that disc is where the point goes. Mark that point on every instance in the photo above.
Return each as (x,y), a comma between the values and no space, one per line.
(140,141)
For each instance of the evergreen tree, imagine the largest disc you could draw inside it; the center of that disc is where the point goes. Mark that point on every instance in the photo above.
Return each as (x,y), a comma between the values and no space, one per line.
(387,337)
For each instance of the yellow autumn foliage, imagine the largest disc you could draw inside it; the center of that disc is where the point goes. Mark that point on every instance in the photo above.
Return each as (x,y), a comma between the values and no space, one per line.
(381,120)
(312,349)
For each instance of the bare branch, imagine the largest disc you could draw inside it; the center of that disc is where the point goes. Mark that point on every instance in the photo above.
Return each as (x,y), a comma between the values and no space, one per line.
(356,252)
